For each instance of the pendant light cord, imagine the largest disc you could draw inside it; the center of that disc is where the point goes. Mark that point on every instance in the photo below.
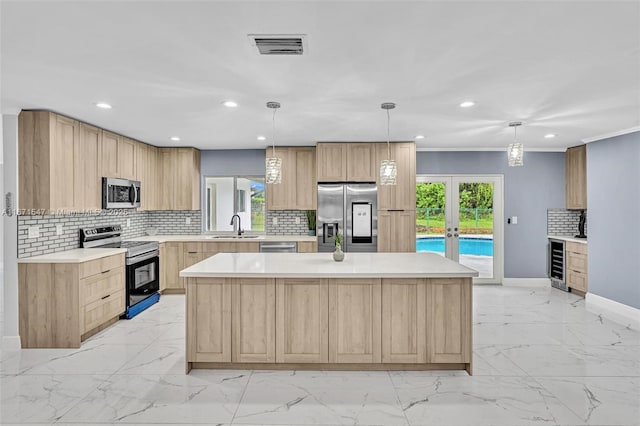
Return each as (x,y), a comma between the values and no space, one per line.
(273,144)
(388,125)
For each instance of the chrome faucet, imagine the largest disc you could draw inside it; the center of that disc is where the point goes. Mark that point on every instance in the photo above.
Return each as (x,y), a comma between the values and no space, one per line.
(240,231)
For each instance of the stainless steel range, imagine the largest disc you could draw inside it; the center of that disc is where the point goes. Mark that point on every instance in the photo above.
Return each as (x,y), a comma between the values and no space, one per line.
(141,258)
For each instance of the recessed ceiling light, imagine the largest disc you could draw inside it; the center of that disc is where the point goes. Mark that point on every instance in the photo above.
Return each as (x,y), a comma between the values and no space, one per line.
(103,105)
(175,138)
(467,104)
(262,138)
(419,136)
(549,136)
(230,104)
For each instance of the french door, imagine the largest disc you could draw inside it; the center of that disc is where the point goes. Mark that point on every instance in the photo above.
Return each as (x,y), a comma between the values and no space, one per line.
(460,217)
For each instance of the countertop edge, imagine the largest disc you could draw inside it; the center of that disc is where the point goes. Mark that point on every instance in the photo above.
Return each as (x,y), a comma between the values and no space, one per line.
(568,238)
(336,275)
(81,256)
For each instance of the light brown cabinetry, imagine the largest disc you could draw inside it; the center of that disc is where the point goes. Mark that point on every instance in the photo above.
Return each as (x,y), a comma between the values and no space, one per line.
(404,322)
(298,189)
(180,178)
(302,322)
(354,321)
(87,179)
(126,158)
(449,320)
(118,156)
(146,173)
(401,196)
(48,146)
(172,262)
(397,231)
(576,266)
(109,154)
(576,177)
(307,246)
(61,304)
(253,311)
(346,162)
(209,320)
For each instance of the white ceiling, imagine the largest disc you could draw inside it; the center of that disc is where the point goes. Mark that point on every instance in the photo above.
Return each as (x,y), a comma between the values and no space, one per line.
(565,67)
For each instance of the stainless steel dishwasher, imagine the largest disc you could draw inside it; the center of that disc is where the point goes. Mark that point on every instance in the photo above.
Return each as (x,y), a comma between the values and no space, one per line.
(278,247)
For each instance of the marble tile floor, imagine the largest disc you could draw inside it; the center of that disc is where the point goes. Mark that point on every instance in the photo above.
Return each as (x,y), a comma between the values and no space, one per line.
(539,359)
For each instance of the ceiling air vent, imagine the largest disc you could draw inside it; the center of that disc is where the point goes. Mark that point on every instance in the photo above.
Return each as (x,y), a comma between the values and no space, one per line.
(279,44)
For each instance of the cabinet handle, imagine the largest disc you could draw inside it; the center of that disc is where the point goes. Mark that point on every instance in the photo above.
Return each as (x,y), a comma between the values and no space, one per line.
(192,252)
(104,297)
(108,270)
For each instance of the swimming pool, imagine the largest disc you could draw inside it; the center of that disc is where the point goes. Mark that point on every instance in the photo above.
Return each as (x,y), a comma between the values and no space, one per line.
(473,246)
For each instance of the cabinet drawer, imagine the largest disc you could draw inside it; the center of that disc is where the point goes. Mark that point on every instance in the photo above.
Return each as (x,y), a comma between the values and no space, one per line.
(577,262)
(98,286)
(102,310)
(576,247)
(192,247)
(577,280)
(99,266)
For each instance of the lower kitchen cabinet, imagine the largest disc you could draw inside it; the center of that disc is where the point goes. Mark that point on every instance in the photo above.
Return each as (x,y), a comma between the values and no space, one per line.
(171,263)
(354,321)
(397,231)
(307,246)
(448,320)
(62,304)
(404,322)
(576,266)
(302,320)
(253,311)
(209,322)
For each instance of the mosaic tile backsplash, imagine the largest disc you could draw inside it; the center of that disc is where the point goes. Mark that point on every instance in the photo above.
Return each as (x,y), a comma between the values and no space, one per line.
(564,222)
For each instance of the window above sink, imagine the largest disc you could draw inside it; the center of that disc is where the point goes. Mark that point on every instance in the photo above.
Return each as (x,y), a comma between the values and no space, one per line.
(225,196)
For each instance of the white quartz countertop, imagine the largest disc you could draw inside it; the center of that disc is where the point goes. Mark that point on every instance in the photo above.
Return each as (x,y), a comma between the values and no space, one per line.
(568,238)
(73,256)
(322,265)
(223,238)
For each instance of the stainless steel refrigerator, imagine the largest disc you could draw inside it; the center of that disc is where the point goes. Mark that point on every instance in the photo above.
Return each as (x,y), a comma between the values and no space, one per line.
(350,209)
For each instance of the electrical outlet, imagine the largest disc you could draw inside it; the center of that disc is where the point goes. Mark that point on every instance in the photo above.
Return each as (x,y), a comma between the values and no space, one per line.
(59,229)
(34,232)
(297,221)
(188,221)
(274,221)
(128,223)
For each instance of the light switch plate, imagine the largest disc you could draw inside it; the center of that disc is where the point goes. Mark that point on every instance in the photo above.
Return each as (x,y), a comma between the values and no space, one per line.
(274,221)
(188,221)
(297,221)
(34,231)
(58,229)
(514,220)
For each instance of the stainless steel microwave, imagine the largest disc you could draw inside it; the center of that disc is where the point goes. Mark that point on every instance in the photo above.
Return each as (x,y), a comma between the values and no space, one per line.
(120,193)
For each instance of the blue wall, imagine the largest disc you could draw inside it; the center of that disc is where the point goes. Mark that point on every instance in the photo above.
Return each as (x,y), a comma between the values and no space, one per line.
(613,200)
(528,192)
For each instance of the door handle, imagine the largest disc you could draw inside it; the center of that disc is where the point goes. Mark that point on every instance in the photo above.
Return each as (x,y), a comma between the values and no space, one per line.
(455,235)
(449,235)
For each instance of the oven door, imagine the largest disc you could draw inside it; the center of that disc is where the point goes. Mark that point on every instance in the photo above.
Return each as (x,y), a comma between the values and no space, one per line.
(142,278)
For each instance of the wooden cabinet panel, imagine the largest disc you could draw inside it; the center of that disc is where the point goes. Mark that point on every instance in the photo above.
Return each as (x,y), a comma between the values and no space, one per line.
(88,178)
(576,266)
(302,332)
(307,246)
(102,265)
(97,312)
(192,254)
(298,189)
(331,162)
(167,162)
(448,322)
(361,162)
(404,321)
(254,324)
(179,178)
(397,231)
(109,154)
(209,320)
(96,287)
(126,158)
(151,191)
(576,177)
(163,266)
(403,194)
(63,153)
(173,262)
(142,175)
(354,321)
(577,262)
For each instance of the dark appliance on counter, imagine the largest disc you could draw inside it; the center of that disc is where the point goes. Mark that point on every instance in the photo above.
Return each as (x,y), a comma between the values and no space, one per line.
(351,209)
(120,193)
(556,264)
(581,222)
(142,265)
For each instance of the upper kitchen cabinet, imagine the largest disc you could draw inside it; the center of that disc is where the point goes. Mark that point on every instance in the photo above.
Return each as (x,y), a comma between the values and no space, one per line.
(47,150)
(179,170)
(402,195)
(346,162)
(118,156)
(298,188)
(146,173)
(87,179)
(576,177)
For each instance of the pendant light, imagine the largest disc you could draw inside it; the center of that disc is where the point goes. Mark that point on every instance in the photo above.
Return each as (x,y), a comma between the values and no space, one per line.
(515,151)
(273,164)
(388,167)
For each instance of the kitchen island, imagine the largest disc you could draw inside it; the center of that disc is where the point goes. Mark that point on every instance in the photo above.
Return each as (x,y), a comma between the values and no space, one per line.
(373,311)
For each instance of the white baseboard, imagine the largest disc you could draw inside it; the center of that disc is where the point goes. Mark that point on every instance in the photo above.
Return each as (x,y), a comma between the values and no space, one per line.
(526,282)
(11,343)
(615,311)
